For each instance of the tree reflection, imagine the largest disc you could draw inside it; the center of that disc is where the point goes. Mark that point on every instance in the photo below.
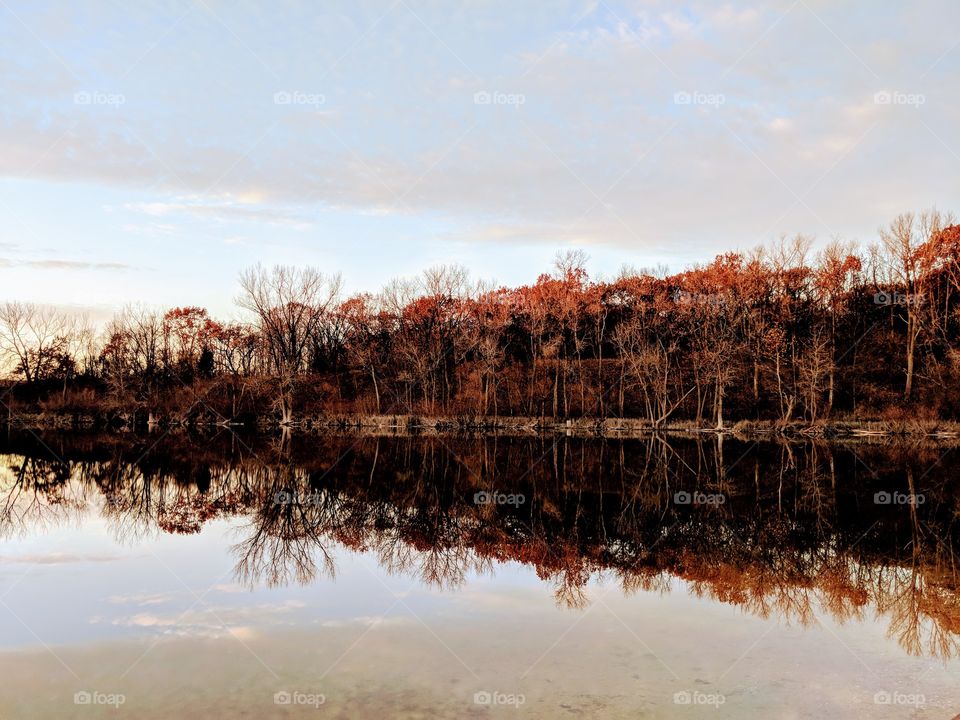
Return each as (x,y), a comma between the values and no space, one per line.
(286,531)
(780,530)
(35,495)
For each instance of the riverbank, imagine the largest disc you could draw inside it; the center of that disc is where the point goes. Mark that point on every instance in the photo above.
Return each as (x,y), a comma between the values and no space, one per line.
(503,425)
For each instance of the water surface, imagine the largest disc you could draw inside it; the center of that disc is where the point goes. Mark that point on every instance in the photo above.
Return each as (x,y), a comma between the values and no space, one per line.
(166,575)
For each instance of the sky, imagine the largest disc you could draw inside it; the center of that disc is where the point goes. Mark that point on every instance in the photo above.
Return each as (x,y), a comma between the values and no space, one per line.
(150,151)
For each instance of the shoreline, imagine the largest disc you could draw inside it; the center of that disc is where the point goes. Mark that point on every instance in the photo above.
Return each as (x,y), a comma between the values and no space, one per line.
(399,425)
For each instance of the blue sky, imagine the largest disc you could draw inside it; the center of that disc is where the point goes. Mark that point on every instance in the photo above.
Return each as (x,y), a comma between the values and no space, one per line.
(150,151)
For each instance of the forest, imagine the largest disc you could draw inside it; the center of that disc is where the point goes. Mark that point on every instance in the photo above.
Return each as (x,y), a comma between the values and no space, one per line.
(783,334)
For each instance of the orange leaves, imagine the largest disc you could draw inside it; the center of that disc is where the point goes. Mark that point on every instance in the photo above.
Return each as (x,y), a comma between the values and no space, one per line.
(188,331)
(941,253)
(835,272)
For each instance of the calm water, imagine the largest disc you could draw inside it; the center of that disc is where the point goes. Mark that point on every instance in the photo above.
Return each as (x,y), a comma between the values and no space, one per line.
(338,576)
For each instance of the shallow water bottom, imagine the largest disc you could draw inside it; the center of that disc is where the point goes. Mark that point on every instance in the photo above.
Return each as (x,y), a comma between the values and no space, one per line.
(486,651)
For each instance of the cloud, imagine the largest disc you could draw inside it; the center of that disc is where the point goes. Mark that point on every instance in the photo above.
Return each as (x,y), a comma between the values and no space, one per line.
(184,626)
(507,233)
(140,599)
(57,559)
(73,265)
(600,151)
(223,211)
(202,620)
(63,264)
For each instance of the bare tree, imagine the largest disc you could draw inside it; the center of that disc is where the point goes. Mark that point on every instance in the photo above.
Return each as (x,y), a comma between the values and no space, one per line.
(290,304)
(35,340)
(133,347)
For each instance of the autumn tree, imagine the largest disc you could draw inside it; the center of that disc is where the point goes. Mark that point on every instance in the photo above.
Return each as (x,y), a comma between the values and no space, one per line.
(188,334)
(781,333)
(491,311)
(837,265)
(901,242)
(366,338)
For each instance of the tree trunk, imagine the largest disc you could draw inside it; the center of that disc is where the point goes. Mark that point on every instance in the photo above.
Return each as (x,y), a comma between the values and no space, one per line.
(911,349)
(719,404)
(376,388)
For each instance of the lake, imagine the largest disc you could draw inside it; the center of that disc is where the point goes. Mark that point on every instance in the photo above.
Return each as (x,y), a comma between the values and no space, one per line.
(232,575)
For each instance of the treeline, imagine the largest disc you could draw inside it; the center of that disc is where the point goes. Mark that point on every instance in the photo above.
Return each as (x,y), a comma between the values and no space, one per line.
(780,334)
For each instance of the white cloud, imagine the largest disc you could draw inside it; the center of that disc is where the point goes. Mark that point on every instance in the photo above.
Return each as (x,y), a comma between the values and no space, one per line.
(222,211)
(599,152)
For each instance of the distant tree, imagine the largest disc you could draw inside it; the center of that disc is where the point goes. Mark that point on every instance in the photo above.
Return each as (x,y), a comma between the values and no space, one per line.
(35,340)
(289,305)
(364,336)
(132,353)
(188,335)
(901,242)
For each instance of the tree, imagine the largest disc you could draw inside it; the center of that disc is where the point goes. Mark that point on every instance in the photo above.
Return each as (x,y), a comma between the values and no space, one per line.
(837,265)
(491,318)
(188,334)
(133,349)
(35,340)
(365,337)
(289,304)
(649,365)
(775,333)
(901,242)
(235,349)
